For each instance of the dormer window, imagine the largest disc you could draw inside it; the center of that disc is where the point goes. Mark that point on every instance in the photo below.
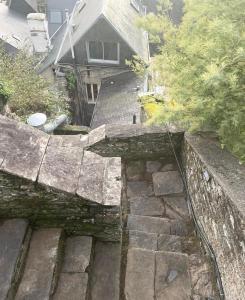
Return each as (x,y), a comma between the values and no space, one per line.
(103,52)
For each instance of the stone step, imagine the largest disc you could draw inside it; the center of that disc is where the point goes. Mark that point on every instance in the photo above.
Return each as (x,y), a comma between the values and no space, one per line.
(77,254)
(14,240)
(146,206)
(157,225)
(154,242)
(140,275)
(157,275)
(172,279)
(73,281)
(72,286)
(105,272)
(39,277)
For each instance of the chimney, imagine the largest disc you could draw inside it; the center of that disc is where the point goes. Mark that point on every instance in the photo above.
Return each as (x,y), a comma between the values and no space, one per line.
(39,32)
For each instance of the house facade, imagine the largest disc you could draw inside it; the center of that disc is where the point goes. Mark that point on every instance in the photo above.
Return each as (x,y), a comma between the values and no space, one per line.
(97,40)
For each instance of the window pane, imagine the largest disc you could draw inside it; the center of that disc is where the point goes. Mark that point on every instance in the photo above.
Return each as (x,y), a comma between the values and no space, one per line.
(110,51)
(96,50)
(89,92)
(55,17)
(95,88)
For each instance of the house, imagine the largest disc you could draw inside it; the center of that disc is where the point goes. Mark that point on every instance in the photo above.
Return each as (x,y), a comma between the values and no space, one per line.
(97,39)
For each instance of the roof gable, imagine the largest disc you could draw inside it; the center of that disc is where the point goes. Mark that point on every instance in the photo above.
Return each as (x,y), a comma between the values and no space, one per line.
(86,16)
(122,17)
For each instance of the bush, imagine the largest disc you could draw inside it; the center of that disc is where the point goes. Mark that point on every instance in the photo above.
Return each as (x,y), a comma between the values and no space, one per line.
(29,92)
(202,66)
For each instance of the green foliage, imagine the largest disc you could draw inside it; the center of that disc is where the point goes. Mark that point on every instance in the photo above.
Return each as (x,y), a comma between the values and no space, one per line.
(71,81)
(5,91)
(27,91)
(202,66)
(137,65)
(153,105)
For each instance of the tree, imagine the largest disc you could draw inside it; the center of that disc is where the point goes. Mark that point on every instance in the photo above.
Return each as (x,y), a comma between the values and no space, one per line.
(202,65)
(28,92)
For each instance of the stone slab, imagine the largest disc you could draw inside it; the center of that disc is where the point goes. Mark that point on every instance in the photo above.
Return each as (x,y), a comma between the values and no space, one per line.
(157,225)
(170,243)
(149,224)
(68,141)
(112,185)
(93,158)
(12,239)
(24,146)
(172,279)
(146,206)
(90,185)
(140,273)
(178,205)
(167,183)
(72,286)
(135,170)
(105,273)
(77,254)
(142,240)
(139,188)
(153,166)
(61,168)
(41,263)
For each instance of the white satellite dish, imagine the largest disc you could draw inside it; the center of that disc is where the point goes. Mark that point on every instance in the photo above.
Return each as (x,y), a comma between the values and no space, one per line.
(37,120)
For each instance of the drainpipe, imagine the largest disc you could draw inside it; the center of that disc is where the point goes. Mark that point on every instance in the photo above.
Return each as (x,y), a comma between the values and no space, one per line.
(50,127)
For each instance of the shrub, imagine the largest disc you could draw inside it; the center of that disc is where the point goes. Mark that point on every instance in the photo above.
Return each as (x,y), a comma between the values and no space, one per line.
(29,92)
(202,65)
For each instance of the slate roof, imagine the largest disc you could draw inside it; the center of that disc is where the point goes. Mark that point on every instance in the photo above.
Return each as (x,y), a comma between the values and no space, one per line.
(120,14)
(118,102)
(14,29)
(23,6)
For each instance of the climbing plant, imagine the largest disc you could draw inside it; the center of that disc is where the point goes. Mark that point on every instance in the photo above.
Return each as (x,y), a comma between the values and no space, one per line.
(202,65)
(28,92)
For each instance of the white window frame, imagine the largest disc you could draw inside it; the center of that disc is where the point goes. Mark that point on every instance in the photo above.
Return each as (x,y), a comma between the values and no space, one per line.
(93,100)
(103,61)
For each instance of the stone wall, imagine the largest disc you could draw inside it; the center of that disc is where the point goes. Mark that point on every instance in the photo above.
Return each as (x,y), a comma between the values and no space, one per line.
(216,183)
(46,207)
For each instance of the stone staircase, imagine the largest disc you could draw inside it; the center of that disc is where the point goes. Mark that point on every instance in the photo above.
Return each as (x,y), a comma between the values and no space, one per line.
(163,260)
(44,264)
(160,257)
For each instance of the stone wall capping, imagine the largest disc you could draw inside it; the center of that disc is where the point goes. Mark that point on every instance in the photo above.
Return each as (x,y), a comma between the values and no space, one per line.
(22,148)
(59,163)
(134,141)
(216,183)
(222,166)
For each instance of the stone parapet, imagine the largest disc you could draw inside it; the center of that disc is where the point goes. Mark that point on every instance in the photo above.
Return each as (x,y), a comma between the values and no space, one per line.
(134,141)
(216,184)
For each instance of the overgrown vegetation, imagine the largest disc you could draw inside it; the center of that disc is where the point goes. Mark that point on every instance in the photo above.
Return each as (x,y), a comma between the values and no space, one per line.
(202,65)
(28,92)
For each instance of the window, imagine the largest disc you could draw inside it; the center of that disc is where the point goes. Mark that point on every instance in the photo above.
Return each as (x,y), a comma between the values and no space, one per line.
(103,52)
(55,17)
(92,92)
